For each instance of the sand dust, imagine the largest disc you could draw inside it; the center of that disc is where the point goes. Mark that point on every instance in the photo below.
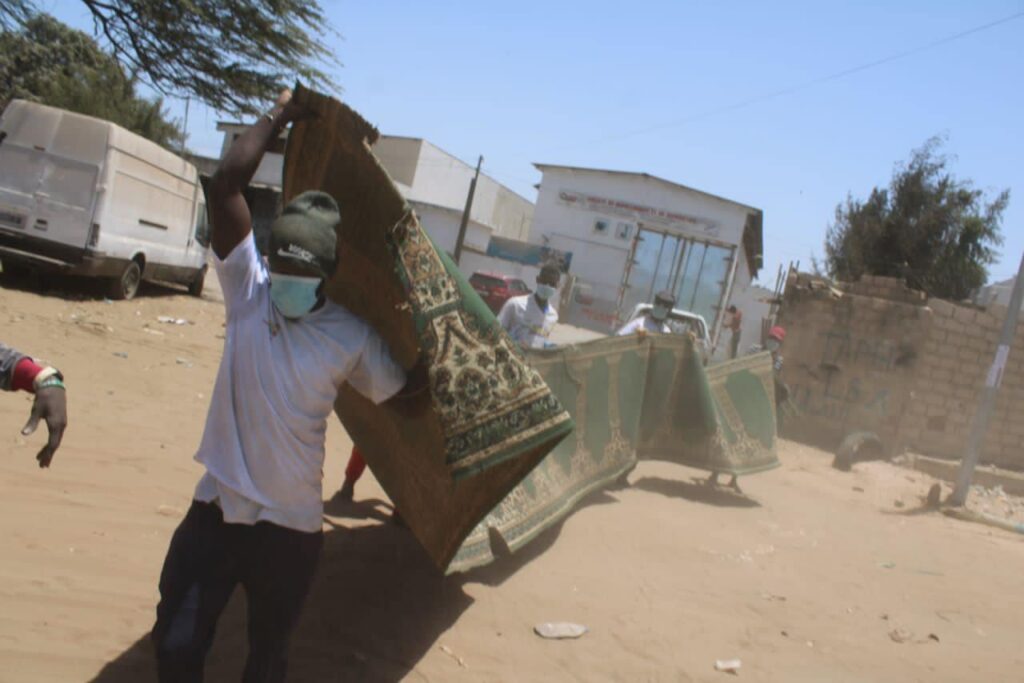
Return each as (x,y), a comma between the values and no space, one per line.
(816,575)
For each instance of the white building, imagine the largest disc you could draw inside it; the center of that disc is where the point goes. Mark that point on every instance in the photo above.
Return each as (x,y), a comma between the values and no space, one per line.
(433,181)
(632,235)
(997,293)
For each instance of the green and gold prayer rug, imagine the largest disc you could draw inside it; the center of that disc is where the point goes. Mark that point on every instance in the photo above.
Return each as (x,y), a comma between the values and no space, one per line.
(721,419)
(601,383)
(634,398)
(449,454)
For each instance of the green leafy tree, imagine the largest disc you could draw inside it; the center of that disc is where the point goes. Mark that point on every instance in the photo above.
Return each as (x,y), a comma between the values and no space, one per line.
(936,232)
(49,62)
(234,55)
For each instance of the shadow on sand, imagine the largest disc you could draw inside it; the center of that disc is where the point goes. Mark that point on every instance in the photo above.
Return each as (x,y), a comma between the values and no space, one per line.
(378,604)
(506,563)
(376,607)
(696,491)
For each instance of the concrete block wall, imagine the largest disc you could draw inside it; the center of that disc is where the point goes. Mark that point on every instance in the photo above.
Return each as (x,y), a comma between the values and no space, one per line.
(851,360)
(887,288)
(883,358)
(958,355)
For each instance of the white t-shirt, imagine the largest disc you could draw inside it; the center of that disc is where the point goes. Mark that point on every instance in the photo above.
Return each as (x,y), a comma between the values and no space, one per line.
(526,322)
(263,445)
(644,322)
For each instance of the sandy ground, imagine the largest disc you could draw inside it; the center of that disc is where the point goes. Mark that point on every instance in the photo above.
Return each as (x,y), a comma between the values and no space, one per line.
(814,575)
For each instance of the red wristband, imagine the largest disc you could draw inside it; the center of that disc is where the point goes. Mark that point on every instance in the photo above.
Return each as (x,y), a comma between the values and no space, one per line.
(25,374)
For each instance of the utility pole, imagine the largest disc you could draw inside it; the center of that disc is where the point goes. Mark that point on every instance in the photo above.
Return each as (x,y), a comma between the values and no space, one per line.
(465,214)
(988,393)
(184,131)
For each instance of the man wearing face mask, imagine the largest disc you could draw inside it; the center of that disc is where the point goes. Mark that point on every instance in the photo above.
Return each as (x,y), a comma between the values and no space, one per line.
(529,319)
(655,320)
(256,515)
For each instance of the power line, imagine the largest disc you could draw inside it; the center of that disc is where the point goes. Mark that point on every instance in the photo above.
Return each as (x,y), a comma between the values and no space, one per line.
(792,89)
(807,84)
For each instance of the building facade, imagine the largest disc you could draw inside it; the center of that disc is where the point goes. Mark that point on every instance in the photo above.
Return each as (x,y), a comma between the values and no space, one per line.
(433,181)
(997,293)
(633,235)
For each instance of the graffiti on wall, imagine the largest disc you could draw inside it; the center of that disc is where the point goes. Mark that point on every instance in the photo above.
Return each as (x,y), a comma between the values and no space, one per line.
(851,378)
(840,346)
(836,398)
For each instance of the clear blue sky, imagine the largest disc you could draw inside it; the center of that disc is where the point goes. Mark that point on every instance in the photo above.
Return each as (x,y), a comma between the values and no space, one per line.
(568,82)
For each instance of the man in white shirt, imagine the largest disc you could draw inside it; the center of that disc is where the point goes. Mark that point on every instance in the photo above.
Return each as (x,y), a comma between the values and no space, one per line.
(654,320)
(529,319)
(257,512)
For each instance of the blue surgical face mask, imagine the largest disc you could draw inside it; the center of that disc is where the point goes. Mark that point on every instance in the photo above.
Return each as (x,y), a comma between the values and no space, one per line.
(545,292)
(659,312)
(294,295)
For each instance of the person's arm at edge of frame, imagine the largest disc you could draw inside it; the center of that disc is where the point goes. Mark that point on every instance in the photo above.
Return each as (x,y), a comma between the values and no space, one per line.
(50,404)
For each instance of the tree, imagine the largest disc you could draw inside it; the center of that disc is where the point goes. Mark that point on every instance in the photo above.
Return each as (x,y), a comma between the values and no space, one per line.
(235,55)
(929,228)
(52,63)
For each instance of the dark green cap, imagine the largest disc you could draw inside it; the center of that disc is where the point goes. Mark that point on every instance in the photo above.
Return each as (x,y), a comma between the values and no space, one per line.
(303,235)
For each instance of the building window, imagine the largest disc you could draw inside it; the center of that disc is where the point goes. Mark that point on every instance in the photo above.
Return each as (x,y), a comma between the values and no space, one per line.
(624,231)
(601,227)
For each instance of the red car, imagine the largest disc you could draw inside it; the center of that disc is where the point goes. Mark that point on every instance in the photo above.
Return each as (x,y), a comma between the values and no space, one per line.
(496,289)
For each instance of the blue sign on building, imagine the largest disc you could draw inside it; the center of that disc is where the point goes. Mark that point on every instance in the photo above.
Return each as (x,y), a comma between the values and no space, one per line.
(528,254)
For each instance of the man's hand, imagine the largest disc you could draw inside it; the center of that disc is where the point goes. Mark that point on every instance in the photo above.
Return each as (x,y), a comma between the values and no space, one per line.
(417,380)
(50,405)
(284,98)
(289,109)
(414,398)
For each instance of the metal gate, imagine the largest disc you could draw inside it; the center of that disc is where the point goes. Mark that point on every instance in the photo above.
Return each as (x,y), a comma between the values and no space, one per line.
(695,271)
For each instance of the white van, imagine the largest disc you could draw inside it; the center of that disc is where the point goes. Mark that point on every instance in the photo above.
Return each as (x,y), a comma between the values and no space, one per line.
(86,197)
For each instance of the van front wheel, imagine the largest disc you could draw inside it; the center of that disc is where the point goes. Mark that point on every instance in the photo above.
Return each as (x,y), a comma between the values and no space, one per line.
(195,288)
(126,286)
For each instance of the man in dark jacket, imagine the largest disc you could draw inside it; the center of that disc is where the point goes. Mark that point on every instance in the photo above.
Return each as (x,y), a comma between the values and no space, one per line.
(20,372)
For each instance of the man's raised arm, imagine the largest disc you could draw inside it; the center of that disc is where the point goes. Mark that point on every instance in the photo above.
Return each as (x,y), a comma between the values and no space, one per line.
(229,213)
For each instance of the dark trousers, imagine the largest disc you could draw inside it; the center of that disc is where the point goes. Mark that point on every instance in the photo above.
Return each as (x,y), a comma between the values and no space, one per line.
(205,561)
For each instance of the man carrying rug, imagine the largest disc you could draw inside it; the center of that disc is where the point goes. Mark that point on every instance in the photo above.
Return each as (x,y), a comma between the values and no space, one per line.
(256,515)
(530,318)
(654,320)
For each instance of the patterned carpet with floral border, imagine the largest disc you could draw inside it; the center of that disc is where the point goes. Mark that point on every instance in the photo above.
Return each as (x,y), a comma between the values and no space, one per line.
(448,454)
(634,398)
